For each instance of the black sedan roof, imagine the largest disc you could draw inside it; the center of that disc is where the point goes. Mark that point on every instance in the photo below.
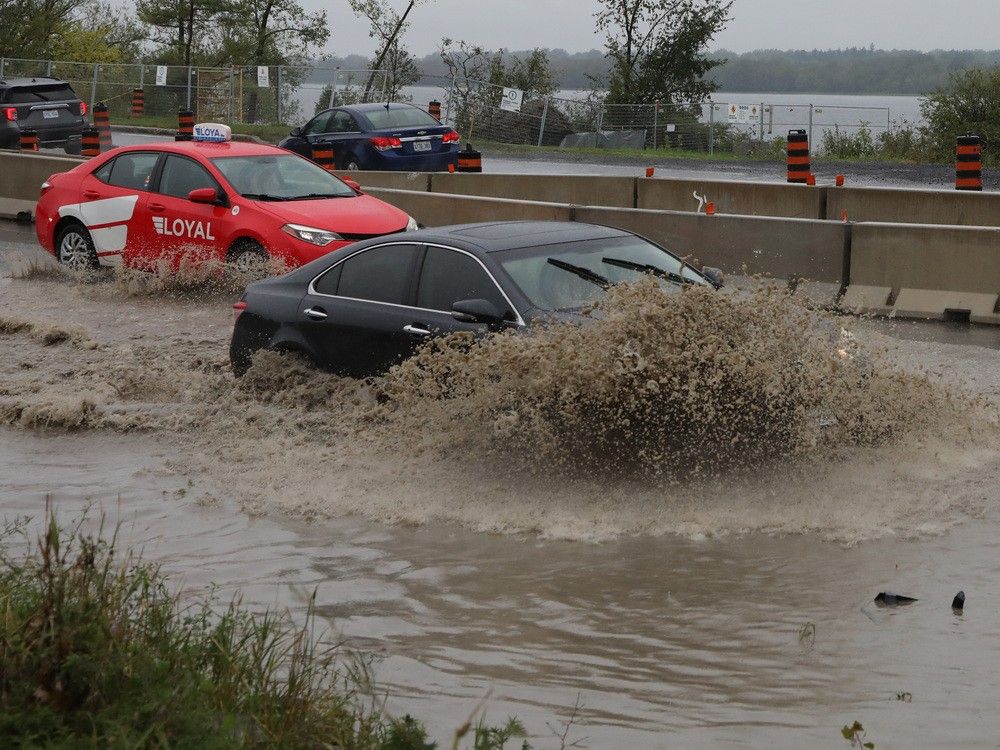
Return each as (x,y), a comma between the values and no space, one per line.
(497,236)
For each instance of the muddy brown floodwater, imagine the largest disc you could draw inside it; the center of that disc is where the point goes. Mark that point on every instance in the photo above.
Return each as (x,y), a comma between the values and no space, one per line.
(695,613)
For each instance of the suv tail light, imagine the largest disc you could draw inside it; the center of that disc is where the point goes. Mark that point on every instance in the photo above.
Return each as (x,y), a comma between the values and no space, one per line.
(10,113)
(238,309)
(386,144)
(83,109)
(450,137)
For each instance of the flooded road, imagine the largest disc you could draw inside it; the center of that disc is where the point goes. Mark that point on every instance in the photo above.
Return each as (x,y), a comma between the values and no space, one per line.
(663,639)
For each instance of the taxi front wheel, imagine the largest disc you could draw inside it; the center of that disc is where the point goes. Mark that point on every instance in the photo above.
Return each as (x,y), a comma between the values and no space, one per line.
(248,255)
(75,248)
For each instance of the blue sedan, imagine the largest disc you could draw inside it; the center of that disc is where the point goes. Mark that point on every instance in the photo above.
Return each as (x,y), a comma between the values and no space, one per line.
(385,137)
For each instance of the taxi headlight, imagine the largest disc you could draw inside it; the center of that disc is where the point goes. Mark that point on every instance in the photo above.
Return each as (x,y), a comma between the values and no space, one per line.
(411,225)
(313,236)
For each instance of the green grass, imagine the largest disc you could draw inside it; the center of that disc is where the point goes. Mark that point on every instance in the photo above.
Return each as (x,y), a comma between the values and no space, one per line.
(96,652)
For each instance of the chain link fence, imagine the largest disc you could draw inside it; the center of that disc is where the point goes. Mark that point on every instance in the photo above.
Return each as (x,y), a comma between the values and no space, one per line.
(272,95)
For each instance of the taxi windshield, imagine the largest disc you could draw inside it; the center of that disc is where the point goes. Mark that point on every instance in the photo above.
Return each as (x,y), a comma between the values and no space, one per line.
(280,177)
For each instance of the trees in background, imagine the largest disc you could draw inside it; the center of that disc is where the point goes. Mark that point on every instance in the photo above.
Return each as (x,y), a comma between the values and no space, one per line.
(968,103)
(658,48)
(387,25)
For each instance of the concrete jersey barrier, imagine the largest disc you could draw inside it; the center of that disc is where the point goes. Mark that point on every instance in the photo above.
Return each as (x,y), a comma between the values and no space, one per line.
(925,271)
(733,197)
(21,178)
(914,206)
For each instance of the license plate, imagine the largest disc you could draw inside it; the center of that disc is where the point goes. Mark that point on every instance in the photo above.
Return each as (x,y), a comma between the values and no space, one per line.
(421,145)
(50,114)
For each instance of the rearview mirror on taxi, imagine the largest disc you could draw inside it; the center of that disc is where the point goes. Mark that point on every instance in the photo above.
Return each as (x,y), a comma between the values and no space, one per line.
(205,195)
(296,132)
(352,184)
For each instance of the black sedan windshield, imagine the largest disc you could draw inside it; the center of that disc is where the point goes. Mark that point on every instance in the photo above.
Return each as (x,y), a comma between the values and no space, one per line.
(574,275)
(280,177)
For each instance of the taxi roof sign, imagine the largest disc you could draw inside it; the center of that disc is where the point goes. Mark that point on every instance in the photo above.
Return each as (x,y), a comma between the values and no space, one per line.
(212,132)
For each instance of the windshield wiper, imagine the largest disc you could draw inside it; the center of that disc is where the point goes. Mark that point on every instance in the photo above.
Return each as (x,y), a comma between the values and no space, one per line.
(584,273)
(650,269)
(264,197)
(314,196)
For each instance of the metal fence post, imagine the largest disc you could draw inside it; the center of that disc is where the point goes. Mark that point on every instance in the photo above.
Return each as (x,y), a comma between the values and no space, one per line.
(711,128)
(810,125)
(142,76)
(600,123)
(3,64)
(333,89)
(451,96)
(277,95)
(541,129)
(48,69)
(761,138)
(93,86)
(656,122)
(189,88)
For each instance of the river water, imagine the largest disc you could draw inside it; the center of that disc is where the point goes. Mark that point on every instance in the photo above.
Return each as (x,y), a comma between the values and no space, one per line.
(688,629)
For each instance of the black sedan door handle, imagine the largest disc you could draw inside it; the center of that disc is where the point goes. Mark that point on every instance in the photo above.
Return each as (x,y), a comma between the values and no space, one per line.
(415,330)
(316,313)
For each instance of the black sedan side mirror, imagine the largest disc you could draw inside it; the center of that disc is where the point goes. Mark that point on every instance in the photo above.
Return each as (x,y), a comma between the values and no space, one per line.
(714,276)
(296,132)
(476,311)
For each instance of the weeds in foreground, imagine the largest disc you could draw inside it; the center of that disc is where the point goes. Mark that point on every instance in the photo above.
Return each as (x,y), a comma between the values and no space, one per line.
(855,734)
(96,652)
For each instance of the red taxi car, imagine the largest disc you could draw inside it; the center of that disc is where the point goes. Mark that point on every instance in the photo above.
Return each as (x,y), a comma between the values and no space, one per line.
(207,198)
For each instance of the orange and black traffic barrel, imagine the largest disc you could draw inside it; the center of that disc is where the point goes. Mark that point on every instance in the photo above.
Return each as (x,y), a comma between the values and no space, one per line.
(138,102)
(90,143)
(322,154)
(434,109)
(799,166)
(29,140)
(470,160)
(102,123)
(185,125)
(969,163)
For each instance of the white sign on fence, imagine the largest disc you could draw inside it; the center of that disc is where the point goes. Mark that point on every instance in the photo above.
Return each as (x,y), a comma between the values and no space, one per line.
(512,99)
(263,77)
(734,112)
(744,113)
(161,75)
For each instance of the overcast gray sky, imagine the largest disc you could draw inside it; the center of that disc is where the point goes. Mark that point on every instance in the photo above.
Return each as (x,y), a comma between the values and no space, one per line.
(756,24)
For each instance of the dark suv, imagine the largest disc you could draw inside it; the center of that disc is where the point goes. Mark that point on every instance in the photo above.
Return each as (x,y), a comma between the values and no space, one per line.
(48,106)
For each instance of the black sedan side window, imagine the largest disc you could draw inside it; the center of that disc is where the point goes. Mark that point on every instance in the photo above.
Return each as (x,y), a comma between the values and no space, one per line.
(382,274)
(448,276)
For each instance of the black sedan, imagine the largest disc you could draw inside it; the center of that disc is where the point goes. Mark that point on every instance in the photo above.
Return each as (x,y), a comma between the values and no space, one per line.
(359,310)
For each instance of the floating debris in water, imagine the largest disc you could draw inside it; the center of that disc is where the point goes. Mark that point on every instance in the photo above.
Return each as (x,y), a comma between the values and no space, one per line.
(888,599)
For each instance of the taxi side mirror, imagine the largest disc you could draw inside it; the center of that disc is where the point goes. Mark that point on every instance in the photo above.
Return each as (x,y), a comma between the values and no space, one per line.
(296,132)
(206,195)
(352,184)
